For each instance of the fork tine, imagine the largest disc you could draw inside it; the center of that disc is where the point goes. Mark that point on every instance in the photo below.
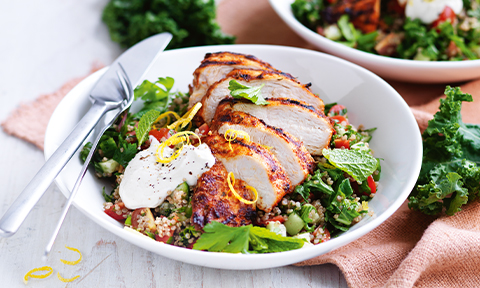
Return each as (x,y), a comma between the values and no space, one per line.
(124,81)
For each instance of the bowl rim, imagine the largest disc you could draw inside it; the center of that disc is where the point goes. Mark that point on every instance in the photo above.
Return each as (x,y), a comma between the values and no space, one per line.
(365,56)
(259,261)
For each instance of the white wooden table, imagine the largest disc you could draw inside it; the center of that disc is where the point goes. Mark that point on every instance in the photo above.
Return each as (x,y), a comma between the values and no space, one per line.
(42,45)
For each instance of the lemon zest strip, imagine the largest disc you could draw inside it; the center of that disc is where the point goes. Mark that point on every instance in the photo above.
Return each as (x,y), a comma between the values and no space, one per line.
(232,134)
(365,205)
(266,147)
(166,115)
(180,137)
(230,185)
(65,280)
(186,118)
(31,275)
(72,262)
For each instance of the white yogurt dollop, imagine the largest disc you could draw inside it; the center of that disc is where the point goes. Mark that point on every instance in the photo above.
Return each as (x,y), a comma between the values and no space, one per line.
(429,10)
(147,182)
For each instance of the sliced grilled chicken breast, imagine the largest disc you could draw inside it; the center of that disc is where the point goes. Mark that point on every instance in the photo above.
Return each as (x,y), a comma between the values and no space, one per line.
(292,155)
(308,125)
(216,66)
(275,85)
(212,200)
(255,165)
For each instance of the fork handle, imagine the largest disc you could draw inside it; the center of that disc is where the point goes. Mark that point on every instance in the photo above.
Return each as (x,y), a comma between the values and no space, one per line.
(21,207)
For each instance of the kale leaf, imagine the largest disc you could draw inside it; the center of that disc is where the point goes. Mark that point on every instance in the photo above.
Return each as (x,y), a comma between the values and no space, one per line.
(191,22)
(449,177)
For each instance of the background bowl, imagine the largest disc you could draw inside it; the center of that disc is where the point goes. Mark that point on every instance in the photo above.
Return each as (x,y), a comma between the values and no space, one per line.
(370,100)
(387,67)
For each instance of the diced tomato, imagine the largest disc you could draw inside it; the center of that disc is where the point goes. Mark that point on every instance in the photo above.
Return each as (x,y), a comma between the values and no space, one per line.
(371,184)
(394,6)
(190,245)
(163,239)
(339,118)
(113,213)
(204,129)
(160,134)
(446,15)
(276,218)
(326,236)
(337,110)
(339,143)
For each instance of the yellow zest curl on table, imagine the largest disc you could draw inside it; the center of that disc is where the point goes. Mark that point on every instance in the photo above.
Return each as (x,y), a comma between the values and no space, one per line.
(31,275)
(232,134)
(180,137)
(65,280)
(230,185)
(72,262)
(186,119)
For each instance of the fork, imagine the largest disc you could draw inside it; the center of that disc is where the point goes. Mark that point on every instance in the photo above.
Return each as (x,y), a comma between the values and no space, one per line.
(128,96)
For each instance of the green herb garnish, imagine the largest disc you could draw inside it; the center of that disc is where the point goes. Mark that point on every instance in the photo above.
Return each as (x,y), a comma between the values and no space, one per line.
(357,163)
(145,125)
(239,91)
(245,239)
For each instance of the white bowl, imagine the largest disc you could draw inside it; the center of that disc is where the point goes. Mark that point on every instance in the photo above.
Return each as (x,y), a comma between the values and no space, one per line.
(370,100)
(387,67)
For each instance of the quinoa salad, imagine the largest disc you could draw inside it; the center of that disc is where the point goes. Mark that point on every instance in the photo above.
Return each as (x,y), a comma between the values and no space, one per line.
(424,30)
(182,178)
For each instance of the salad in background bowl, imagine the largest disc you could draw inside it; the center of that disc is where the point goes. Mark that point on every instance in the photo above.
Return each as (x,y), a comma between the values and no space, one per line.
(334,80)
(386,36)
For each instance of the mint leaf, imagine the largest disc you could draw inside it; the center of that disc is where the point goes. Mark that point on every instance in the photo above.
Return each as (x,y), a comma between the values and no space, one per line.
(246,239)
(238,90)
(356,163)
(145,125)
(264,241)
(313,184)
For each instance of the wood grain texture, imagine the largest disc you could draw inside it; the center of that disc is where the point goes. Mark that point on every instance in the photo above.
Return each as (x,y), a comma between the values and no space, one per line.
(46,44)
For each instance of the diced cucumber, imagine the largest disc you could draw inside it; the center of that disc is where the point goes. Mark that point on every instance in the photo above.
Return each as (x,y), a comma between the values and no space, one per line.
(421,57)
(332,32)
(184,187)
(277,227)
(109,166)
(379,169)
(294,224)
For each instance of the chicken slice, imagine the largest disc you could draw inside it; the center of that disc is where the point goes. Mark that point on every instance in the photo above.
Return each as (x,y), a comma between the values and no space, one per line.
(276,85)
(364,14)
(255,165)
(308,125)
(292,155)
(215,66)
(212,200)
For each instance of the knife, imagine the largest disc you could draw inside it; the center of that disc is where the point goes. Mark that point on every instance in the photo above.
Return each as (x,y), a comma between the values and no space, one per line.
(107,94)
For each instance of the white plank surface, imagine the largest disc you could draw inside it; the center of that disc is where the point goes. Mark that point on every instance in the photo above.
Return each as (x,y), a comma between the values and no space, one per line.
(42,45)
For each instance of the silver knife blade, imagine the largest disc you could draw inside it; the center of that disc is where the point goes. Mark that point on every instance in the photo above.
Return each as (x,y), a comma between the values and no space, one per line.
(106,95)
(136,64)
